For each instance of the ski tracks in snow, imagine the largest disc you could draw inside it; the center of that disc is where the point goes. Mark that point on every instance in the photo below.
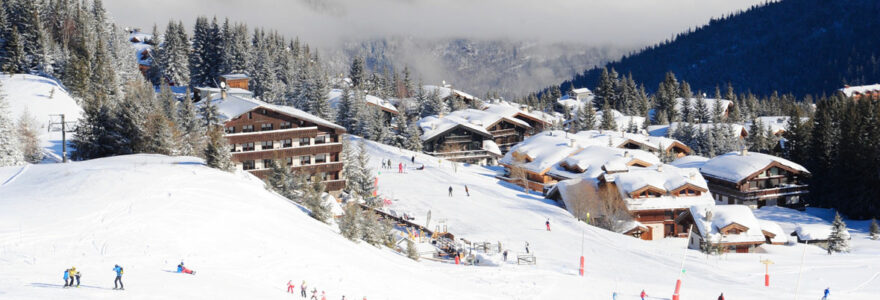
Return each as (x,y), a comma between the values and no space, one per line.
(14,176)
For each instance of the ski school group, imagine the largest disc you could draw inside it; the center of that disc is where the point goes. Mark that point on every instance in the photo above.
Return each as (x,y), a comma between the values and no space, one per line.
(73,274)
(304,291)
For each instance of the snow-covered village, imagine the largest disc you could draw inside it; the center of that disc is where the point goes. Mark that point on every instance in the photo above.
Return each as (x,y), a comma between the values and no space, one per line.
(439,149)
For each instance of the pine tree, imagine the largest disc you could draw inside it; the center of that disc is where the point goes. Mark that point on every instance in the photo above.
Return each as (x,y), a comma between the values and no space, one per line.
(29,137)
(411,251)
(685,94)
(874,229)
(717,110)
(200,68)
(10,147)
(605,89)
(281,179)
(400,135)
(350,223)
(373,231)
(362,183)
(414,134)
(217,152)
(608,121)
(838,241)
(586,118)
(173,55)
(701,109)
(313,199)
(192,134)
(356,72)
(14,59)
(159,136)
(666,93)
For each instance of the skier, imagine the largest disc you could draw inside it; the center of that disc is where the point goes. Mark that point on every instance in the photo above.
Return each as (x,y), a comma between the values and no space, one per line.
(548,224)
(66,276)
(118,271)
(614,296)
(302,288)
(643,295)
(182,269)
(721,297)
(71,274)
(527,247)
(400,168)
(505,255)
(77,278)
(827,292)
(290,286)
(450,191)
(323,295)
(413,161)
(314,294)
(466,191)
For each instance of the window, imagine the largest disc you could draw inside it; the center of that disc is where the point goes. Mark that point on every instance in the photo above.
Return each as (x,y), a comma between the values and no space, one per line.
(248,165)
(320,158)
(305,160)
(267,145)
(648,194)
(290,161)
(320,139)
(266,126)
(285,125)
(773,171)
(304,141)
(286,143)
(250,115)
(247,147)
(268,163)
(247,128)
(753,185)
(230,129)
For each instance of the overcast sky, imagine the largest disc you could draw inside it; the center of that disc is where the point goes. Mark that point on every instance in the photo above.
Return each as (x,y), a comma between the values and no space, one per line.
(597,22)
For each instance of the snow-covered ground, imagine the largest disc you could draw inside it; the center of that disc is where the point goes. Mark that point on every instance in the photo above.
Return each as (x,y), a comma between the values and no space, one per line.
(42,98)
(148,212)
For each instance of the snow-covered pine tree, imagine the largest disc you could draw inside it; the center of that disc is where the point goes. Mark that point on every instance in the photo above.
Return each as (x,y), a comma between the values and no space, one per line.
(280,179)
(414,140)
(733,115)
(200,55)
(756,139)
(874,229)
(701,109)
(608,121)
(265,84)
(14,59)
(363,180)
(372,229)
(411,251)
(159,135)
(632,127)
(350,223)
(667,91)
(684,92)
(173,55)
(605,91)
(192,134)
(717,110)
(208,112)
(217,153)
(400,134)
(407,83)
(838,241)
(10,147)
(29,137)
(356,72)
(344,109)
(436,104)
(313,199)
(168,102)
(586,117)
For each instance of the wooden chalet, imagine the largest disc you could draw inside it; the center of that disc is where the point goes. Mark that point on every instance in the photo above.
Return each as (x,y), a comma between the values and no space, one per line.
(756,179)
(723,228)
(471,135)
(239,81)
(261,133)
(863,91)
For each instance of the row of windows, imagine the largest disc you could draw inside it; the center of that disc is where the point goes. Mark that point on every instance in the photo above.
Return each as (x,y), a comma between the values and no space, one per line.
(263,127)
(285,143)
(653,194)
(302,160)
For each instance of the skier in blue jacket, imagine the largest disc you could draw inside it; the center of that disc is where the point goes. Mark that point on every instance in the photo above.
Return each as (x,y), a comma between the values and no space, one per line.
(118,271)
(827,292)
(66,277)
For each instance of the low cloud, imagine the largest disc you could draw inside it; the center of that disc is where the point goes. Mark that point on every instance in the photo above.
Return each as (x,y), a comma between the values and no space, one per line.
(327,22)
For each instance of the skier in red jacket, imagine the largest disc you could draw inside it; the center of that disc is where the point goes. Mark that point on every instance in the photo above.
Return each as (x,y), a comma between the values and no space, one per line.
(290,286)
(643,295)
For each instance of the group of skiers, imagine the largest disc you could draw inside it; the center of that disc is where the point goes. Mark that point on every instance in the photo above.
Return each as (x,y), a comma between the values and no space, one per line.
(304,291)
(466,191)
(644,295)
(73,274)
(387,164)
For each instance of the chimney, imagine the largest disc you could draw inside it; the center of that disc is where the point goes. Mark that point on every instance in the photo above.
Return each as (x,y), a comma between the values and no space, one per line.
(660,168)
(571,143)
(223,94)
(626,154)
(744,151)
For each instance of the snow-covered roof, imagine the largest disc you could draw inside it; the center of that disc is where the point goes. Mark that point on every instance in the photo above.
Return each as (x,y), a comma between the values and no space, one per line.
(849,91)
(235,76)
(216,92)
(514,110)
(690,161)
(736,166)
(492,147)
(620,119)
(619,139)
(596,159)
(775,124)
(664,130)
(581,90)
(471,119)
(774,228)
(664,178)
(445,91)
(542,151)
(813,232)
(334,97)
(723,216)
(234,106)
(140,51)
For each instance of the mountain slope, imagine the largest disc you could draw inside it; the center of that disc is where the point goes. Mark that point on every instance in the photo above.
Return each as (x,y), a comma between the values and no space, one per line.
(791,46)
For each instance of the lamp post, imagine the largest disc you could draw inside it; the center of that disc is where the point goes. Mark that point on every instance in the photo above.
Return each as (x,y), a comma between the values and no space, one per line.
(767,264)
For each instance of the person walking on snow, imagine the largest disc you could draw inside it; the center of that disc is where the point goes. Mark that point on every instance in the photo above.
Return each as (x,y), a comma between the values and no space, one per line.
(466,191)
(505,255)
(118,271)
(827,292)
(290,286)
(548,224)
(413,161)
(450,191)
(71,275)
(302,288)
(643,295)
(314,294)
(400,168)
(527,247)
(77,278)
(721,297)
(66,276)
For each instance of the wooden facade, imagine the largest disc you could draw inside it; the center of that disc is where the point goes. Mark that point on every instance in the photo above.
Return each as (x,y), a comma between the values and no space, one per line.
(507,134)
(661,223)
(775,184)
(262,136)
(458,144)
(239,81)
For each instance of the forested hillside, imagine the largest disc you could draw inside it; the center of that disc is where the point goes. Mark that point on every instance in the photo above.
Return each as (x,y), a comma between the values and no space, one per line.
(791,46)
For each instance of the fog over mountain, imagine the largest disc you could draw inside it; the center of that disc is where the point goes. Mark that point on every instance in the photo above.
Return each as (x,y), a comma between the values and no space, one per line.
(516,45)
